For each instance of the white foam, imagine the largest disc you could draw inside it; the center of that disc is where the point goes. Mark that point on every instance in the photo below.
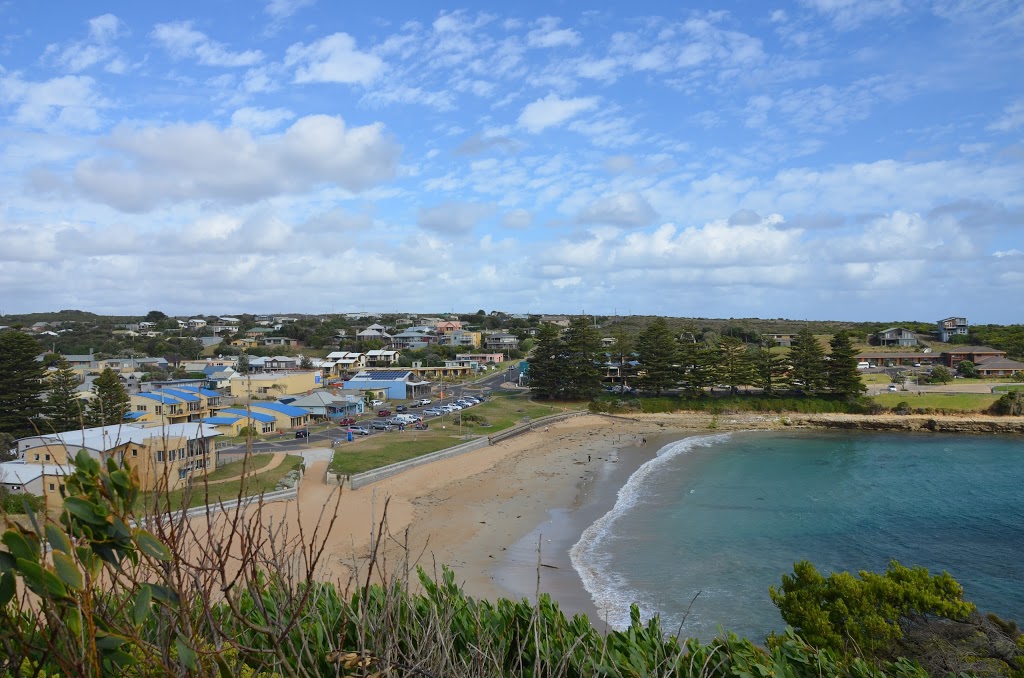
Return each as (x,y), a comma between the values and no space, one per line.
(610,593)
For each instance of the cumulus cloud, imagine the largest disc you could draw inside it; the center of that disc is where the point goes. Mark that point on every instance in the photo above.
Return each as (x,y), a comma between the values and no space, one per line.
(1012,118)
(151,165)
(548,34)
(65,102)
(517,219)
(849,14)
(334,58)
(260,119)
(453,218)
(552,111)
(630,210)
(184,42)
(282,9)
(97,48)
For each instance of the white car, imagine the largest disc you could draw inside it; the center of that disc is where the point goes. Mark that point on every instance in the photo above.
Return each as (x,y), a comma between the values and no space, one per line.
(424,401)
(376,403)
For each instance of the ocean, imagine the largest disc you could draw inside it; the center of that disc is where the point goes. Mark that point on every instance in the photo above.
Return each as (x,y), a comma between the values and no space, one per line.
(701,531)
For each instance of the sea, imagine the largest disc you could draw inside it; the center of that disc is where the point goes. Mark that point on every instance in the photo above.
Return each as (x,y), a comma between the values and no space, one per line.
(699,532)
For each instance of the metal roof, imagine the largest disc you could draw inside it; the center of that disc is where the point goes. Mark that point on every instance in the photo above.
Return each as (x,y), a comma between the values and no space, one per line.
(184,395)
(283,409)
(258,416)
(108,437)
(204,391)
(160,397)
(20,472)
(382,375)
(221,420)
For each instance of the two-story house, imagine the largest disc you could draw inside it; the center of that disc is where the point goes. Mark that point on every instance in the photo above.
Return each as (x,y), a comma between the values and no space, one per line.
(896,336)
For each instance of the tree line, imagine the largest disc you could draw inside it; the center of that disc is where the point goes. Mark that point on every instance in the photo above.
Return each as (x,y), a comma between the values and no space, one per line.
(572,364)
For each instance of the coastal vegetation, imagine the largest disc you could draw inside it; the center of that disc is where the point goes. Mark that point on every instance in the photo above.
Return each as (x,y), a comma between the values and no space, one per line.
(102,590)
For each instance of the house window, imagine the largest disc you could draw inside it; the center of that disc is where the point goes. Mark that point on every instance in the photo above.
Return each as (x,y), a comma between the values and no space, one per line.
(135,453)
(47,457)
(15,487)
(159,455)
(140,408)
(181,474)
(37,457)
(158,409)
(173,455)
(52,488)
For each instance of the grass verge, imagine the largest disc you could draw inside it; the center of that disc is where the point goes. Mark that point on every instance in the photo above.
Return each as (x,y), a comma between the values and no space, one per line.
(948,402)
(226,491)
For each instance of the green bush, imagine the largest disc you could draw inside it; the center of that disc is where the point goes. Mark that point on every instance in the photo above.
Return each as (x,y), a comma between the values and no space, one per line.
(14,502)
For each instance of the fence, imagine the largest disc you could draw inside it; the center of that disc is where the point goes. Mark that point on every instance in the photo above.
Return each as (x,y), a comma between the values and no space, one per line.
(378,474)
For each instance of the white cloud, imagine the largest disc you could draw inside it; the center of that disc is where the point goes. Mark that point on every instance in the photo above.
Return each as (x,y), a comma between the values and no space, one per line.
(184,42)
(547,34)
(453,218)
(260,119)
(629,210)
(517,219)
(282,9)
(849,14)
(65,102)
(333,59)
(552,111)
(97,48)
(148,166)
(1012,118)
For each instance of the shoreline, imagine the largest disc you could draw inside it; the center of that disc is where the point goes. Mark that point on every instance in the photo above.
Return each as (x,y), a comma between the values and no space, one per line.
(481,513)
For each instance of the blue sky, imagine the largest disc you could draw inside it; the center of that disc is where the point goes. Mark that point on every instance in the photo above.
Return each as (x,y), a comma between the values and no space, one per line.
(819,159)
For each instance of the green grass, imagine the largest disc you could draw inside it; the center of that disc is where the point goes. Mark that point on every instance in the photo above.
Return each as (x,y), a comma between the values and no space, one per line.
(1007,388)
(255,463)
(875,378)
(501,411)
(955,402)
(226,491)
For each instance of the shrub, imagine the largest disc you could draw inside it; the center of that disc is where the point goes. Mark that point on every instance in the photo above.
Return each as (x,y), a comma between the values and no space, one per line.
(902,407)
(1009,404)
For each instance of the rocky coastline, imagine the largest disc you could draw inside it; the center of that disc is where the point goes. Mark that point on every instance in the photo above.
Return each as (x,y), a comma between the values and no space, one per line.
(925,423)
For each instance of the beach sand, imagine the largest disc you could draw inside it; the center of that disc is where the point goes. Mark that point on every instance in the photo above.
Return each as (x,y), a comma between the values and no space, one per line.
(483,512)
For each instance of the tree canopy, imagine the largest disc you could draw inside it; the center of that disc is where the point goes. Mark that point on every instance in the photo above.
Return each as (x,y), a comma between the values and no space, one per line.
(111,401)
(21,385)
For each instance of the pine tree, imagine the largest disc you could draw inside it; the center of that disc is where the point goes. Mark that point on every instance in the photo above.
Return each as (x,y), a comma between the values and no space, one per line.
(807,359)
(734,365)
(699,365)
(64,410)
(21,385)
(243,363)
(659,357)
(581,376)
(843,377)
(111,401)
(545,363)
(770,370)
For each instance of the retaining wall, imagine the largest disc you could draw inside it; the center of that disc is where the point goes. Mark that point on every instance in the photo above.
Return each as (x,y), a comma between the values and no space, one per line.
(378,474)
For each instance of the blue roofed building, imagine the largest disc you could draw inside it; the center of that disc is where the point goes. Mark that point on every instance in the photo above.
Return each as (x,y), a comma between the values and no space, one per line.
(287,416)
(395,384)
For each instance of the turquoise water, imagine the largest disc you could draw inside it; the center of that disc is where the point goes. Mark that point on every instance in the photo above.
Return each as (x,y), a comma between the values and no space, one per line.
(726,515)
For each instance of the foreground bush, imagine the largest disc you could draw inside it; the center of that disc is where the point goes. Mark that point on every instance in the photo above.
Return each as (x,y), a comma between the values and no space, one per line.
(95,594)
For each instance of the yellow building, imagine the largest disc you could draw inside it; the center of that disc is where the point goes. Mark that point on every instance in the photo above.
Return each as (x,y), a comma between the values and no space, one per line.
(272,385)
(174,405)
(167,456)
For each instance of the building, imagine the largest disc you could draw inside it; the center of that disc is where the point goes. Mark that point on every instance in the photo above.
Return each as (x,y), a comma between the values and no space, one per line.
(412,339)
(232,420)
(397,384)
(176,405)
(896,336)
(482,358)
(501,341)
(19,477)
(166,457)
(974,354)
(271,384)
(998,367)
(778,339)
(448,326)
(464,338)
(328,405)
(895,359)
(286,416)
(381,358)
(951,327)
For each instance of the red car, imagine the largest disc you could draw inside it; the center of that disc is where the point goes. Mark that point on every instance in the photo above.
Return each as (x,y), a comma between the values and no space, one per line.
(383,413)
(347,421)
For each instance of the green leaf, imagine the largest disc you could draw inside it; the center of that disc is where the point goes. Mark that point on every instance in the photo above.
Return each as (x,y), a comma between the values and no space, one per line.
(141,606)
(73,620)
(7,588)
(32,572)
(186,654)
(109,641)
(67,570)
(85,511)
(6,561)
(58,540)
(152,546)
(164,594)
(19,546)
(54,586)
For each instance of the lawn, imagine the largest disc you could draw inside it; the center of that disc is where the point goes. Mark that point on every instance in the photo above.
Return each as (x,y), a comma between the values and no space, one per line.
(226,491)
(1009,387)
(501,411)
(255,463)
(875,378)
(963,402)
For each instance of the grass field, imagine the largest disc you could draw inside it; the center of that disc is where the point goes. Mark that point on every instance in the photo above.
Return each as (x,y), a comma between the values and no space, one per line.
(1008,387)
(875,378)
(501,411)
(962,402)
(226,491)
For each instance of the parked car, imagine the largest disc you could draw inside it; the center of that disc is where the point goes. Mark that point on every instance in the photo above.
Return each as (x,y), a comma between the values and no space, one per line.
(380,426)
(347,421)
(302,434)
(424,401)
(383,413)
(359,430)
(433,412)
(401,408)
(376,403)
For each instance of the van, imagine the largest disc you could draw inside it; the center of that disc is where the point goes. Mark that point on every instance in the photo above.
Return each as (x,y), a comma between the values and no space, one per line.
(862,365)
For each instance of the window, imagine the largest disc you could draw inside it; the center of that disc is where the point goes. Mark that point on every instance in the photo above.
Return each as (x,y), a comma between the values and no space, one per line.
(135,453)
(37,457)
(173,455)
(15,487)
(140,408)
(47,457)
(52,488)
(159,455)
(158,409)
(181,474)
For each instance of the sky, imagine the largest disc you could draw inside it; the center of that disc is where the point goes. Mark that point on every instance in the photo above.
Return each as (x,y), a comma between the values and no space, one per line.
(813,159)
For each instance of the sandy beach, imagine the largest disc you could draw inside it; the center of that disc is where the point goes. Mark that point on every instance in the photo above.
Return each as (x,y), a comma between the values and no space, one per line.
(485,513)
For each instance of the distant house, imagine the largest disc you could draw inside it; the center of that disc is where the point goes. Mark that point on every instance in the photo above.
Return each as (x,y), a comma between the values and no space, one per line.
(998,367)
(950,327)
(778,339)
(448,326)
(196,323)
(381,358)
(974,354)
(896,336)
(280,341)
(501,341)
